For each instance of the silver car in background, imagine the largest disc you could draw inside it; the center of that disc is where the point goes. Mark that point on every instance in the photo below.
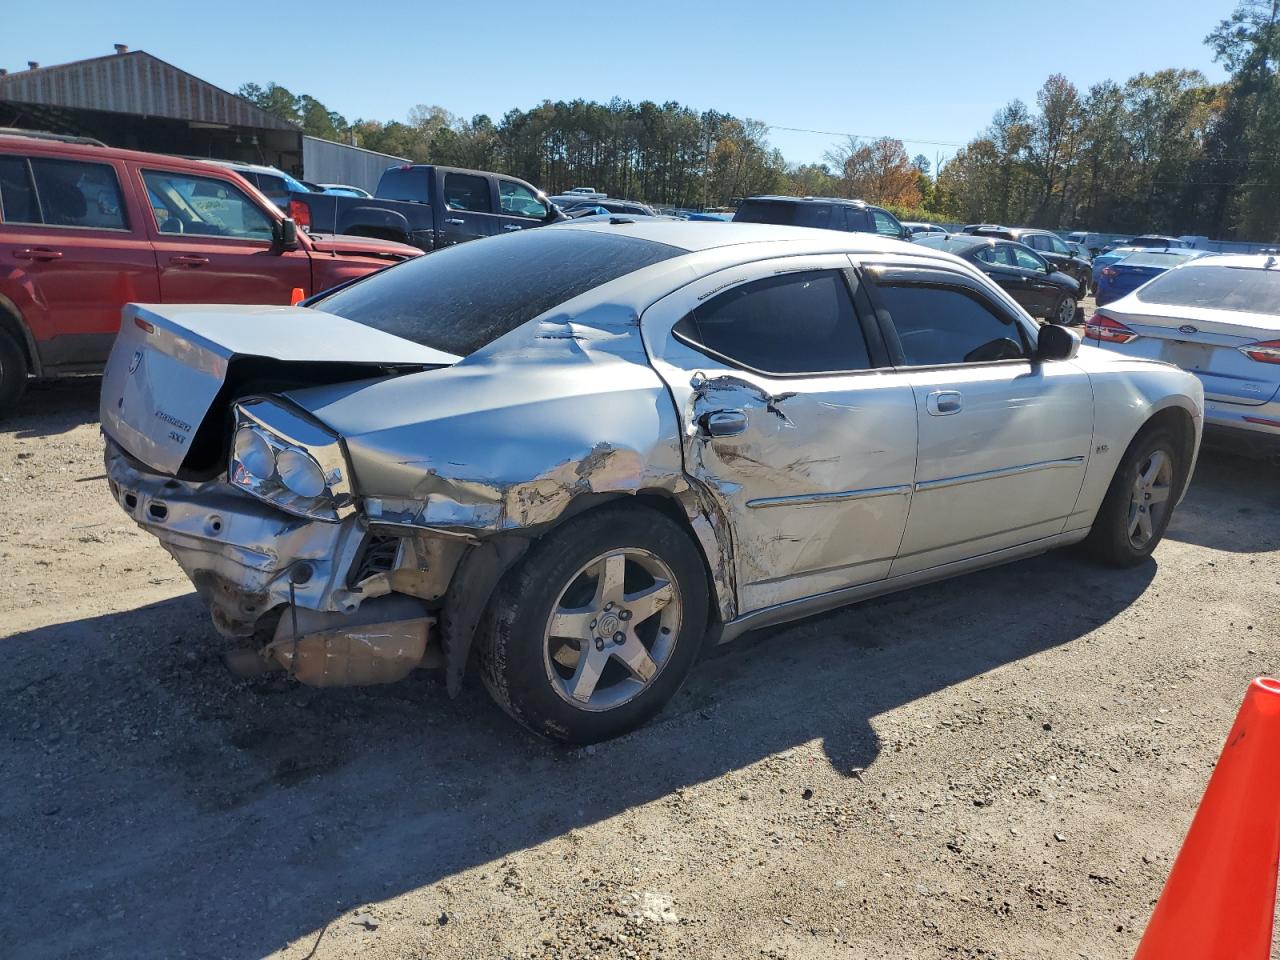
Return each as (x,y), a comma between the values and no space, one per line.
(573,456)
(1217,317)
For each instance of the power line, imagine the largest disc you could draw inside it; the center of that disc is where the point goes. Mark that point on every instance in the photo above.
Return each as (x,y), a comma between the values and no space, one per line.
(863,136)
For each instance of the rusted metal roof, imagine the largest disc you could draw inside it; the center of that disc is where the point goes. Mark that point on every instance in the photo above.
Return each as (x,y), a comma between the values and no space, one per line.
(137,83)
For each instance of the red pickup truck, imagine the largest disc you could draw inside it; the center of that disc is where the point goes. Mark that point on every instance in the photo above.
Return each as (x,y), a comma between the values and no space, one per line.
(85,229)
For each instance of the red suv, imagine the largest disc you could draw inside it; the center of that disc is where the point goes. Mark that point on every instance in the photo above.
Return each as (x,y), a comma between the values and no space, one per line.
(85,229)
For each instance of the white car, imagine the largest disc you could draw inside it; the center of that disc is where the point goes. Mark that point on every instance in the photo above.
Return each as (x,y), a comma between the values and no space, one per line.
(1217,317)
(583,451)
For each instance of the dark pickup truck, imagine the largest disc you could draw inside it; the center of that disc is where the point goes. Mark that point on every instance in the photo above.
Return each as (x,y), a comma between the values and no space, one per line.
(429,207)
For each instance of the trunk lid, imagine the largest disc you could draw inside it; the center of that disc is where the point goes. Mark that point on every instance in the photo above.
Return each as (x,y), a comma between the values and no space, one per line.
(174,368)
(1206,342)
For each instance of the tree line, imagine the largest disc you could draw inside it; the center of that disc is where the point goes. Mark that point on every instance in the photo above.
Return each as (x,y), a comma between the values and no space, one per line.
(1167,152)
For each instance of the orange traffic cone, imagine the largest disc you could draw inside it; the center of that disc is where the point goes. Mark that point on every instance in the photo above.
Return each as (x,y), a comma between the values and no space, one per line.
(1219,901)
(297,296)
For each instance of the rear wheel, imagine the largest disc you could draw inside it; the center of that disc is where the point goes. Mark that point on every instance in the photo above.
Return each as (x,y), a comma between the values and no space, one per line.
(1139,503)
(13,371)
(598,627)
(1065,312)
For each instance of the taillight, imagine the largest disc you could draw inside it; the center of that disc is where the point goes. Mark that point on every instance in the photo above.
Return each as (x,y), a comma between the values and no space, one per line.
(1110,272)
(300,213)
(1264,351)
(1108,330)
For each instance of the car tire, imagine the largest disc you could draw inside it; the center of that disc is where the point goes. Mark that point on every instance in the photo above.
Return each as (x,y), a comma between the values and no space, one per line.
(1064,311)
(570,582)
(1139,502)
(13,371)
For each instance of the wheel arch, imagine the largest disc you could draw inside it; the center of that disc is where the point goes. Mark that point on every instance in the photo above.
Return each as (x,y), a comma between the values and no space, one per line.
(1178,421)
(482,568)
(11,321)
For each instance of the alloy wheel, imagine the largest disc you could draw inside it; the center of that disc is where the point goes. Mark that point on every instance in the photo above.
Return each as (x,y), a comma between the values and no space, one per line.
(1149,501)
(1066,311)
(613,628)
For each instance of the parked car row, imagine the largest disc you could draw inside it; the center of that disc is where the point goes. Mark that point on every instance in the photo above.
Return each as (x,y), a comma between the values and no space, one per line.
(85,229)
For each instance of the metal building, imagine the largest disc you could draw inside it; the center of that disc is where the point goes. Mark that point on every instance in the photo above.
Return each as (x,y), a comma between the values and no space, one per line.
(138,101)
(324,161)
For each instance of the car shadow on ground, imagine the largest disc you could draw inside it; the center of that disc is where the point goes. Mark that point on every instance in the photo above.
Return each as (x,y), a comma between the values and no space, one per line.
(167,808)
(1232,504)
(52,407)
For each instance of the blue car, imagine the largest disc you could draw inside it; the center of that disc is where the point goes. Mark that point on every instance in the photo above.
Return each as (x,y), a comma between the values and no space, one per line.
(1124,276)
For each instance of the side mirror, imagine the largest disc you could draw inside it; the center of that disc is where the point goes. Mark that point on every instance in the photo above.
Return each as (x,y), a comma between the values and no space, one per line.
(1055,342)
(284,233)
(905,235)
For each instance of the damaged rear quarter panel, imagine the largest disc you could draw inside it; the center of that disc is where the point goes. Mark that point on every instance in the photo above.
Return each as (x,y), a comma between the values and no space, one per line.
(501,446)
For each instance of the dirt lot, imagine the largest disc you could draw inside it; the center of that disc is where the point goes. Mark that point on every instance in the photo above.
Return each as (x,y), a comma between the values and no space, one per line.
(1001,766)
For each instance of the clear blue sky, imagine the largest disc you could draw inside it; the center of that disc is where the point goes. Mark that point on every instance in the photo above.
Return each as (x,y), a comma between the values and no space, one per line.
(919,70)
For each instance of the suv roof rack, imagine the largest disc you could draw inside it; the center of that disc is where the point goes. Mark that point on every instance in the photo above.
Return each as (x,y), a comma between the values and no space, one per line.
(47,135)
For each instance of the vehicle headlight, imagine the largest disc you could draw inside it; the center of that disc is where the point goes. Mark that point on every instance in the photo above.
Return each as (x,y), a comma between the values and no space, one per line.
(288,461)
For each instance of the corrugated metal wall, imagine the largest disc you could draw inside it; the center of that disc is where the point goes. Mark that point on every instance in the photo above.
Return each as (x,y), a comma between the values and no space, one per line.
(324,161)
(135,83)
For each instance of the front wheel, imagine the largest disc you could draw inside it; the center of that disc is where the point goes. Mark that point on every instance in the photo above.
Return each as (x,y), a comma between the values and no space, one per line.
(598,626)
(1139,503)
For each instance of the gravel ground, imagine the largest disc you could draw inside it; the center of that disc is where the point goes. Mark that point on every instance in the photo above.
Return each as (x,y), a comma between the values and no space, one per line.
(1000,766)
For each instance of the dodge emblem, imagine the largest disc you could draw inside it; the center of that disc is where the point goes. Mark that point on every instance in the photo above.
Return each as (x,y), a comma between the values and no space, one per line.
(1187,328)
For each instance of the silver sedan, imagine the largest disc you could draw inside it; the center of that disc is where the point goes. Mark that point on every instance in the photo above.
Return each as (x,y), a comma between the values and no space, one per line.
(573,457)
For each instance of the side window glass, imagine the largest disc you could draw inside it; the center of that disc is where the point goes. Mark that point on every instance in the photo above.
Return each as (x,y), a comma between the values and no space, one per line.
(941,325)
(985,255)
(793,323)
(74,194)
(1001,254)
(204,206)
(1057,246)
(1027,260)
(885,224)
(462,191)
(17,195)
(518,200)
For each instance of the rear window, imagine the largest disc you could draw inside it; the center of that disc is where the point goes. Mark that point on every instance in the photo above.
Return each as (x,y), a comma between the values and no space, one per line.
(463,297)
(1244,289)
(406,183)
(786,214)
(1154,260)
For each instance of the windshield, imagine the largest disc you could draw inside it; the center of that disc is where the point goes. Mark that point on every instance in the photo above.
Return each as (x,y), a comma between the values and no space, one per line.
(784,214)
(463,297)
(1242,289)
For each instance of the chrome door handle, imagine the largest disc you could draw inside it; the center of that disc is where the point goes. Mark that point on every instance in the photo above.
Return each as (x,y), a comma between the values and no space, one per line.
(723,423)
(943,403)
(456,221)
(189,260)
(512,226)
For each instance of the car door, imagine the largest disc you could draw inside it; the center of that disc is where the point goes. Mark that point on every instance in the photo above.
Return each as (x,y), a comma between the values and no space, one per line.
(1041,292)
(997,263)
(213,243)
(469,212)
(1004,440)
(73,251)
(520,206)
(791,422)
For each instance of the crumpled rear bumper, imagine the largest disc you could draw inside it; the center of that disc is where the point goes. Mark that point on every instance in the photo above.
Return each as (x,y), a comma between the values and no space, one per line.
(242,555)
